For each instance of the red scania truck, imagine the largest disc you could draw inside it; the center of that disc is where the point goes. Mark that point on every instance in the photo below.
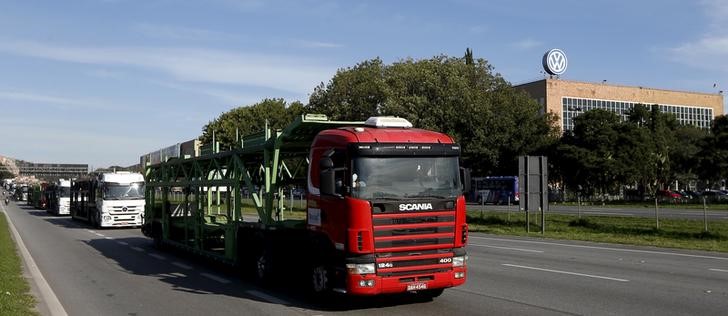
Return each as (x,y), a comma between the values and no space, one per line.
(385,208)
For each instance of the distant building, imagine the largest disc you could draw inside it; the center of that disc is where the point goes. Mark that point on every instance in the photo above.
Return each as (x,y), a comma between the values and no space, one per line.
(568,99)
(52,171)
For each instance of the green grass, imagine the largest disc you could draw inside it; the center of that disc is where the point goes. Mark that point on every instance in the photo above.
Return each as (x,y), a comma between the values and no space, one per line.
(650,204)
(14,296)
(673,233)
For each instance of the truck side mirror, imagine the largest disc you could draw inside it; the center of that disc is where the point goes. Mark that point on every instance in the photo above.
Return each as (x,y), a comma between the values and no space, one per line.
(326,176)
(465,176)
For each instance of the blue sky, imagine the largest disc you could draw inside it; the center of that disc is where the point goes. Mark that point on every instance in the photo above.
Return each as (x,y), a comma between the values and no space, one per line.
(104,81)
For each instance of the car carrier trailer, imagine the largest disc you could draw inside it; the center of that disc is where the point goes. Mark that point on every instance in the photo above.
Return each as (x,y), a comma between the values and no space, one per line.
(385,207)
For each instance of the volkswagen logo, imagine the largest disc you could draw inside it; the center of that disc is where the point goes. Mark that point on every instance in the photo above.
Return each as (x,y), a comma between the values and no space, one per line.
(554,62)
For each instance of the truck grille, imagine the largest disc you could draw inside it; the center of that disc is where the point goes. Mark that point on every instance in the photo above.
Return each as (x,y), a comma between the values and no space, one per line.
(120,210)
(413,242)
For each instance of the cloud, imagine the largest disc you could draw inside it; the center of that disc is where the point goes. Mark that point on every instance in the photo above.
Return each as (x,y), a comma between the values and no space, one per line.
(179,33)
(709,50)
(226,97)
(61,102)
(315,44)
(279,72)
(527,43)
(105,74)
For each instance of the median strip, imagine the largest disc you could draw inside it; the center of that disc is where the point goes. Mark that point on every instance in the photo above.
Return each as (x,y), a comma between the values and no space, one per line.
(13,281)
(566,272)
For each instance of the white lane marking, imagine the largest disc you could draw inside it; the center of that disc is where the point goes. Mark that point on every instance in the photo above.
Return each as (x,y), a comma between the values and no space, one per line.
(508,248)
(160,257)
(267,297)
(565,272)
(718,270)
(181,265)
(100,235)
(602,248)
(138,249)
(90,231)
(123,243)
(214,277)
(107,237)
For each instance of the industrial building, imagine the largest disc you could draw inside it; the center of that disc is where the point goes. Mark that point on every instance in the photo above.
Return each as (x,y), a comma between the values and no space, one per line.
(52,171)
(568,99)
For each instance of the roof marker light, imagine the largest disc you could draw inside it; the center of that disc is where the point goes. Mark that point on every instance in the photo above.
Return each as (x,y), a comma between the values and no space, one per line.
(387,121)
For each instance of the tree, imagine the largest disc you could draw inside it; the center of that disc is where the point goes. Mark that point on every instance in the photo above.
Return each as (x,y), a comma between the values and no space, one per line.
(714,151)
(246,120)
(353,93)
(5,172)
(493,122)
(587,155)
(686,157)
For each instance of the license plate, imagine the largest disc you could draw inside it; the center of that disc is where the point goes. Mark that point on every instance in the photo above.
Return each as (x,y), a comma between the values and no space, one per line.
(416,286)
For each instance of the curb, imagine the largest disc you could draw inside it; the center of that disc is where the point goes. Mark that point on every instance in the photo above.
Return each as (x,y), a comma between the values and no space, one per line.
(48,296)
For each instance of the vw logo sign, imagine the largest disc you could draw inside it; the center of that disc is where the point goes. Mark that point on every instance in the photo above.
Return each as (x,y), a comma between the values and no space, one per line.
(554,62)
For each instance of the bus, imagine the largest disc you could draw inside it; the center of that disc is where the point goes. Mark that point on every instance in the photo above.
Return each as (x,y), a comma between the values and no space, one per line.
(495,190)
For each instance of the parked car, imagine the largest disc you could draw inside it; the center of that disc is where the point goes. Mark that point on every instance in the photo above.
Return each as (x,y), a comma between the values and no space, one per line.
(669,194)
(690,195)
(714,196)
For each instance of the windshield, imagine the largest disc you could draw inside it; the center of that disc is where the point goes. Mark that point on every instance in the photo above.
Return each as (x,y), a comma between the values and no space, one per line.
(117,191)
(64,192)
(405,177)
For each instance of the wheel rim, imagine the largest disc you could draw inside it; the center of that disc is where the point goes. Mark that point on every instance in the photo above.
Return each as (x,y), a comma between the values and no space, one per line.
(319,278)
(261,266)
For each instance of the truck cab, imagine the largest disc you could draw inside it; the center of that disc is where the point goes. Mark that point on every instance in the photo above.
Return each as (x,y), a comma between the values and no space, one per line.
(389,199)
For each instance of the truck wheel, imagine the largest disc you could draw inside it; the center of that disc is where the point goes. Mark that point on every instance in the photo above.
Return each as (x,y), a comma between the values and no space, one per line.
(263,268)
(320,280)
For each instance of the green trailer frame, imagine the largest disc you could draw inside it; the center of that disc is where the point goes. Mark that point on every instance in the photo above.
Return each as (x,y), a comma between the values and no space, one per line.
(196,203)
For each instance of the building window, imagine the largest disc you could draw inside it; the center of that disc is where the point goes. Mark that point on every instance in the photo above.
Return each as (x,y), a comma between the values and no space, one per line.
(686,115)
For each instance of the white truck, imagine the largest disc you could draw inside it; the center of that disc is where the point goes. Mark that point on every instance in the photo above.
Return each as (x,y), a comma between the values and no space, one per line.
(114,199)
(59,197)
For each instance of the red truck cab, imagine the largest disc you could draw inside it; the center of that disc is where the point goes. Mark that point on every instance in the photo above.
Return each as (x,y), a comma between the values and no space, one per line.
(389,200)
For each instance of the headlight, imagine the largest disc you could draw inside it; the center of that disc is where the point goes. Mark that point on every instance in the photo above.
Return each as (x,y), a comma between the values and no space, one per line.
(459,261)
(366,268)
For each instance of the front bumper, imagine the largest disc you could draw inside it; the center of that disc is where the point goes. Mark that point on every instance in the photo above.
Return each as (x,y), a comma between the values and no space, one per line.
(406,283)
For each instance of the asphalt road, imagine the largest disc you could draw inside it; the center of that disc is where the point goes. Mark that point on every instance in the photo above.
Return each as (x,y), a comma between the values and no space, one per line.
(117,272)
(626,211)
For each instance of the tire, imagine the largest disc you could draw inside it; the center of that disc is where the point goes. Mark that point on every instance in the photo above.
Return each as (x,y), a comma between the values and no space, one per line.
(320,280)
(263,272)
